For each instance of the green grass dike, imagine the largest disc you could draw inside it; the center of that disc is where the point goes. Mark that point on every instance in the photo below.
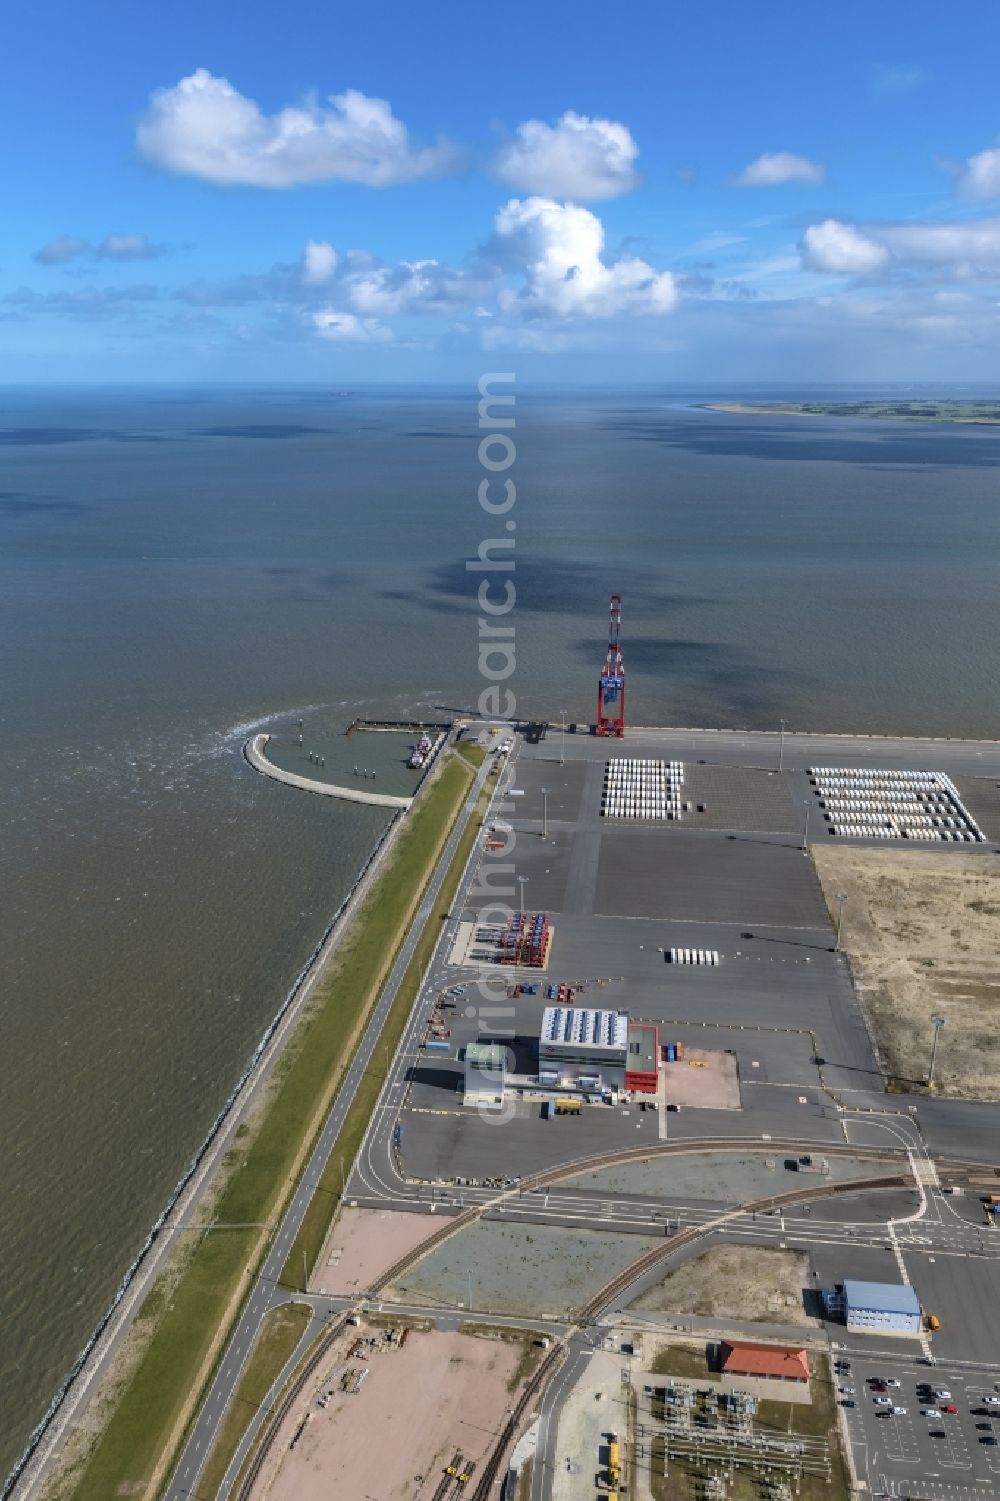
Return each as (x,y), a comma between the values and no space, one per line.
(181,1326)
(308,1244)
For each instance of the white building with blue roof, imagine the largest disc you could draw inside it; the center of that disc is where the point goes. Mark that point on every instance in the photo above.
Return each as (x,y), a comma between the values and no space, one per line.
(881,1307)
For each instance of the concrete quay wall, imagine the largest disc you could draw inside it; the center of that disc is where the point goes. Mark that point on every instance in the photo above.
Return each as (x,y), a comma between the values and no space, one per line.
(255,751)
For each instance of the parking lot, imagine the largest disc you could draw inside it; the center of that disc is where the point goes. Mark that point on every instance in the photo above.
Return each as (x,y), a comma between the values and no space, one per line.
(908,1453)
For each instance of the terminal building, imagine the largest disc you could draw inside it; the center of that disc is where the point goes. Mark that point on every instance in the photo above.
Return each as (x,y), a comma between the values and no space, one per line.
(876,1307)
(643,1059)
(582,1049)
(485,1074)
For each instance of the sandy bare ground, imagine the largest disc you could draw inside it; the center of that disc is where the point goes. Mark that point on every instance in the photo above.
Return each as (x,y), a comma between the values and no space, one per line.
(922,932)
(598,1404)
(440,1395)
(362,1243)
(740,1282)
(704,1079)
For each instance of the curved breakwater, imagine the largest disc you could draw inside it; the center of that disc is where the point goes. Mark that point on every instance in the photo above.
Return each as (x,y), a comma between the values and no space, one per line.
(255,752)
(114,1321)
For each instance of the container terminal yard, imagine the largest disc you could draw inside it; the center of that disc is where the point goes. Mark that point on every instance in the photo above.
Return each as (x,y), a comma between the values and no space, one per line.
(640,1029)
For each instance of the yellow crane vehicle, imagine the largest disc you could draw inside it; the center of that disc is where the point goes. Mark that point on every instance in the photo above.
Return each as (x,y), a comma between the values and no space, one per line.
(614,1462)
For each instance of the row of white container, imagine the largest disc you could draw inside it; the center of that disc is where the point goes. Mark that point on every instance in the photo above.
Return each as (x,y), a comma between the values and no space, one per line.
(941,807)
(668,813)
(645,779)
(916,820)
(613,774)
(641,797)
(642,802)
(852,831)
(693,956)
(644,776)
(868,774)
(642,761)
(901,789)
(932,799)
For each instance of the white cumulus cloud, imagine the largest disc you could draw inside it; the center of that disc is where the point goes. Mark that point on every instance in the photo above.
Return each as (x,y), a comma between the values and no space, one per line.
(375,289)
(833,246)
(347,328)
(204,128)
(57,252)
(960,250)
(772,168)
(558,247)
(319,262)
(980,177)
(967,248)
(127,247)
(577,157)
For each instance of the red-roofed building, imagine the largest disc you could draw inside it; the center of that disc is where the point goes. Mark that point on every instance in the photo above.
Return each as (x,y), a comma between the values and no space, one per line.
(765,1362)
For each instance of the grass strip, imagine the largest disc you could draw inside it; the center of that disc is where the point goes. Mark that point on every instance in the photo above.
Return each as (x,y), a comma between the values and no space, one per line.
(148,1420)
(323,1206)
(274,1346)
(474,754)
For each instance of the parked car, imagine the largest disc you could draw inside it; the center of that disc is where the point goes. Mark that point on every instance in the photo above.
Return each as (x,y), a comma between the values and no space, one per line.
(990,1401)
(930,1412)
(891,1381)
(882,1401)
(847,1402)
(900,1411)
(950,1407)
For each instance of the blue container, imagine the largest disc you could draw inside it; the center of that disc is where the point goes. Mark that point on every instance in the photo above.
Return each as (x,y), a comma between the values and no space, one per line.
(434,1046)
(671,1052)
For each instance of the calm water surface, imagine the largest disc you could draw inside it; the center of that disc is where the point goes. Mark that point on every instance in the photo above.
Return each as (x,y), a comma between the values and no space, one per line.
(178,568)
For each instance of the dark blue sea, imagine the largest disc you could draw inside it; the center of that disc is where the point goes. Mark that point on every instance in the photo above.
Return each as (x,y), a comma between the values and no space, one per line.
(180,567)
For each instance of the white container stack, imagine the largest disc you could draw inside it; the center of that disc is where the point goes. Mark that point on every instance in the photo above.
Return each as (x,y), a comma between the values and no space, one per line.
(642,789)
(859,803)
(693,956)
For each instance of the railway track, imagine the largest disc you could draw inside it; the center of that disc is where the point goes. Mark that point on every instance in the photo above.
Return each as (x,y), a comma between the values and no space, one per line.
(546,1370)
(552,1175)
(662,1250)
(279,1413)
(608,1293)
(600,1301)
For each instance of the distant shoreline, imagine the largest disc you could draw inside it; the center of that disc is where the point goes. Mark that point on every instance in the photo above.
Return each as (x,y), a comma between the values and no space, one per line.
(966,413)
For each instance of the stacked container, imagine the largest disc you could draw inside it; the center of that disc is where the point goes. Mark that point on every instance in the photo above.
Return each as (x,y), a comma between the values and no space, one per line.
(525,941)
(859,803)
(642,789)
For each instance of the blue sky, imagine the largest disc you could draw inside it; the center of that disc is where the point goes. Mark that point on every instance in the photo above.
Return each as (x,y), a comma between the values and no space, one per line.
(575,191)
